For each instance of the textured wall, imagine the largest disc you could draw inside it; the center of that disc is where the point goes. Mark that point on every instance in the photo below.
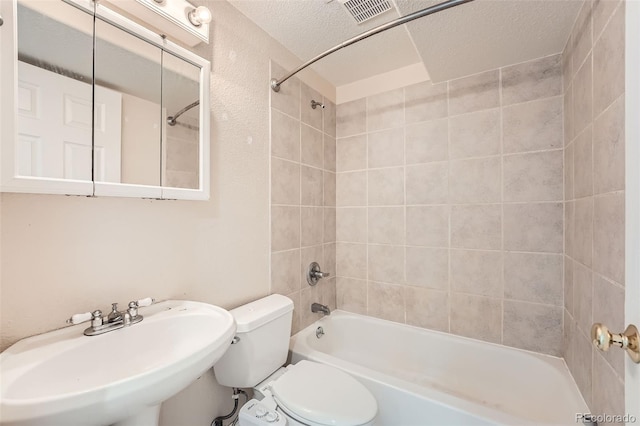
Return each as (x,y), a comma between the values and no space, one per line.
(62,255)
(593,69)
(449,205)
(303,196)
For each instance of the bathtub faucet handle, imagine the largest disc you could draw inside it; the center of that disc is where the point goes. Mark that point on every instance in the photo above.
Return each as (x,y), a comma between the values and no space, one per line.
(314,274)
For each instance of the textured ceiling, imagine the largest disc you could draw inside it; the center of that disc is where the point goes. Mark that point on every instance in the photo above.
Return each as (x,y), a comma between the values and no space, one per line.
(468,39)
(309,27)
(486,34)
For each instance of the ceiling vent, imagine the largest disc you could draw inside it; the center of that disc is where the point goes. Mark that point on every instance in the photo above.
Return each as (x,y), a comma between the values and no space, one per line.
(363,10)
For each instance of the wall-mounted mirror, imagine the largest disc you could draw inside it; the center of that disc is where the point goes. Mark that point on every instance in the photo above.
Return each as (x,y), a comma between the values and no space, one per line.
(100,105)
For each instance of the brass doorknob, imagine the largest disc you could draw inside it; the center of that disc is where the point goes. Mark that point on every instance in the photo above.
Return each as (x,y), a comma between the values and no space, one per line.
(603,339)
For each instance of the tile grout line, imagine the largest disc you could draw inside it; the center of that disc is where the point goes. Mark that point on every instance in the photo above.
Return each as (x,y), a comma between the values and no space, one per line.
(460,159)
(404,208)
(299,119)
(322,234)
(449,233)
(415,123)
(564,198)
(501,101)
(593,207)
(366,187)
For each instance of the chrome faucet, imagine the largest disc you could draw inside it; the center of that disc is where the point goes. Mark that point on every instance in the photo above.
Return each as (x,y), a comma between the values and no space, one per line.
(114,315)
(114,321)
(317,307)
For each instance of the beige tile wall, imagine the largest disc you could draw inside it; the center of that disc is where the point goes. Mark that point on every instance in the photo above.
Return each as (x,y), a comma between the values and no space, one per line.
(593,70)
(303,196)
(450,205)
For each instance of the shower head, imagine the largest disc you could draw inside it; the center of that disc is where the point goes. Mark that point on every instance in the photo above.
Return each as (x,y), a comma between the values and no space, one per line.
(315,104)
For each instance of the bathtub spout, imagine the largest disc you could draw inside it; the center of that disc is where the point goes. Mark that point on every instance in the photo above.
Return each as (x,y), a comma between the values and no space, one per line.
(317,307)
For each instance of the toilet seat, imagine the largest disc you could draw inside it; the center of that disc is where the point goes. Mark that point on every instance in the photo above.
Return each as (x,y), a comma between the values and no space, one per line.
(320,395)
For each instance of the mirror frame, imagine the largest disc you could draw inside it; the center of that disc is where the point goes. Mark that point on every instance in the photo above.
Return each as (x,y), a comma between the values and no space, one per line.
(9,182)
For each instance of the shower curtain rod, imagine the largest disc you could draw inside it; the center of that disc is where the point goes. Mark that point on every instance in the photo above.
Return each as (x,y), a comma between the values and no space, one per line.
(171,121)
(275,84)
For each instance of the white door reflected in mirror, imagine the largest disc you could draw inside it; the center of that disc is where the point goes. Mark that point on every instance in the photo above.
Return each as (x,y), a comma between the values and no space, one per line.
(56,142)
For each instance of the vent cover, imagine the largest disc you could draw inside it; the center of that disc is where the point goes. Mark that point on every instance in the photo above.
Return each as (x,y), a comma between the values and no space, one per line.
(363,10)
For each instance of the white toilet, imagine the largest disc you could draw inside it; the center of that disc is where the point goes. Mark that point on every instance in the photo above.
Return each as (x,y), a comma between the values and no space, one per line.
(307,393)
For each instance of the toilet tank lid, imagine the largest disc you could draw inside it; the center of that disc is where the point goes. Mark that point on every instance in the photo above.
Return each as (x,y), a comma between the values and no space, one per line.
(257,313)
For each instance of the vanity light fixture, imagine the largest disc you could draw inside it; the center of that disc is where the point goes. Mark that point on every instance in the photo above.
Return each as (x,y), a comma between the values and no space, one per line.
(177,19)
(200,15)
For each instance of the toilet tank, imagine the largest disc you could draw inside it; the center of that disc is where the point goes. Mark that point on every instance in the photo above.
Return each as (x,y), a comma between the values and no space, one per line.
(261,343)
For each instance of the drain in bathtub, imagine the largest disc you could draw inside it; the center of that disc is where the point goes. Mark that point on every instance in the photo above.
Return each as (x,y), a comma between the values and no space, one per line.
(319,332)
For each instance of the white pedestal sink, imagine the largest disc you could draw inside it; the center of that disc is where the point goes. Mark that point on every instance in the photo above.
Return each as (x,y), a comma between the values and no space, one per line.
(66,378)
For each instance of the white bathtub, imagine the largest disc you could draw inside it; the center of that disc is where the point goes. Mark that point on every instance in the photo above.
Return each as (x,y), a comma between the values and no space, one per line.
(423,377)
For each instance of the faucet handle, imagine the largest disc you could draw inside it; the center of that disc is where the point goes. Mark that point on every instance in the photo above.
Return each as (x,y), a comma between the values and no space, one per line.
(79,318)
(147,301)
(135,304)
(314,274)
(95,317)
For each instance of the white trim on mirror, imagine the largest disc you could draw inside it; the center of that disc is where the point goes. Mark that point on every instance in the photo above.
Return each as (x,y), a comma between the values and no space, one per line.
(38,185)
(8,92)
(109,189)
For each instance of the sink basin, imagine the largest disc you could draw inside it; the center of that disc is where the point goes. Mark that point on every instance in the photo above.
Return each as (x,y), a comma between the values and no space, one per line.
(121,377)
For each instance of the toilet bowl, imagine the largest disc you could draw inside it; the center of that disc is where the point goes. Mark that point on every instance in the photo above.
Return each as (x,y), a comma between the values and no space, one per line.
(307,393)
(313,394)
